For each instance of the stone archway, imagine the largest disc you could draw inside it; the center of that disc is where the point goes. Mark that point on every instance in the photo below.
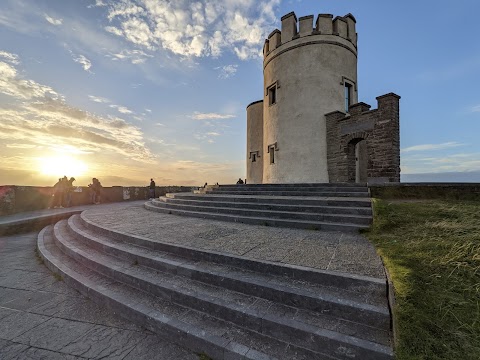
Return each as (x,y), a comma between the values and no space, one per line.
(357,160)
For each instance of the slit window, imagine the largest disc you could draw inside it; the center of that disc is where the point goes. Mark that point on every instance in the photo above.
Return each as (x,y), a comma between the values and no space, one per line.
(272,95)
(272,155)
(254,157)
(348,96)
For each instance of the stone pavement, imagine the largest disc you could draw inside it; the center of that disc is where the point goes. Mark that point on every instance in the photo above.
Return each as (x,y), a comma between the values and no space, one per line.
(42,318)
(335,251)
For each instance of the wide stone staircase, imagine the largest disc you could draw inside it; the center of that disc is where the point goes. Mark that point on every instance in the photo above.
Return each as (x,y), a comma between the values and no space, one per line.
(226,306)
(334,207)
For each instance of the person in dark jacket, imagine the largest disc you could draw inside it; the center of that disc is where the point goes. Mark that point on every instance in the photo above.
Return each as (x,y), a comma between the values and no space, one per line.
(152,189)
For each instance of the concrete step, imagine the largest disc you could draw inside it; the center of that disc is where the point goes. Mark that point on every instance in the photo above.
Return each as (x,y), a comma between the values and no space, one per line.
(350,282)
(301,294)
(247,311)
(277,200)
(290,193)
(292,215)
(267,221)
(363,211)
(189,328)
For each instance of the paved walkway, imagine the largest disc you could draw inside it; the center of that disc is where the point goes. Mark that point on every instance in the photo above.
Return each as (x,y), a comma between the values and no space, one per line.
(335,251)
(42,318)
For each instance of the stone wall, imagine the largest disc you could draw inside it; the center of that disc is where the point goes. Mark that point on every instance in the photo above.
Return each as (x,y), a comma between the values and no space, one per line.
(415,191)
(380,128)
(15,199)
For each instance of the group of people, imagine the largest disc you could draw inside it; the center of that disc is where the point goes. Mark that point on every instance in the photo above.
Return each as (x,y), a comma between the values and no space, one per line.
(62,193)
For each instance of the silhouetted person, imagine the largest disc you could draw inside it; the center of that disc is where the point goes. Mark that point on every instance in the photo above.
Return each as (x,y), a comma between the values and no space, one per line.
(152,189)
(57,194)
(240,181)
(69,191)
(96,189)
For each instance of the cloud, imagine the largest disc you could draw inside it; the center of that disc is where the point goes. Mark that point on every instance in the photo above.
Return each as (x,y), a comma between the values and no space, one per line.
(41,117)
(53,21)
(21,146)
(9,57)
(475,108)
(12,84)
(210,116)
(134,56)
(194,29)
(227,71)
(82,60)
(122,109)
(426,147)
(98,3)
(99,99)
(460,162)
(213,133)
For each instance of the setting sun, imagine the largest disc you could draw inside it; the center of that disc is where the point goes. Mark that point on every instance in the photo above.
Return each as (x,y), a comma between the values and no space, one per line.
(62,165)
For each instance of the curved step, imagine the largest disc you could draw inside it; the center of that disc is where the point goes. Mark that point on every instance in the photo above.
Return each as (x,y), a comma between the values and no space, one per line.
(352,305)
(321,209)
(280,200)
(299,224)
(167,319)
(290,193)
(266,213)
(266,319)
(336,279)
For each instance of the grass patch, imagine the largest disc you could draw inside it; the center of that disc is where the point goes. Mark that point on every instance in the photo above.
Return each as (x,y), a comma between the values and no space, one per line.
(204,357)
(432,252)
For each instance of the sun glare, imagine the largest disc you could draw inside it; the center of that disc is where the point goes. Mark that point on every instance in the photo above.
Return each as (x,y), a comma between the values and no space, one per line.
(62,165)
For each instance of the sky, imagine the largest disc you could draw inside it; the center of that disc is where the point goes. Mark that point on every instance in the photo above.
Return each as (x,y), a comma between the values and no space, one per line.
(127,90)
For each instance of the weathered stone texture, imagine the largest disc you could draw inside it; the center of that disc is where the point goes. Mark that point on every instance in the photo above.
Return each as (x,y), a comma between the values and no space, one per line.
(380,128)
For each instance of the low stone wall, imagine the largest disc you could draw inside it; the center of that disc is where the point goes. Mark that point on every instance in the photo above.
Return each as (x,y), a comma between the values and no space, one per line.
(448,191)
(14,199)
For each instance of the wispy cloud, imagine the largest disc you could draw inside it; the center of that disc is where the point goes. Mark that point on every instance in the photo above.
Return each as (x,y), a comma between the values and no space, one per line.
(99,99)
(462,162)
(194,29)
(122,109)
(475,108)
(427,147)
(134,56)
(212,133)
(210,116)
(53,21)
(9,57)
(227,71)
(82,60)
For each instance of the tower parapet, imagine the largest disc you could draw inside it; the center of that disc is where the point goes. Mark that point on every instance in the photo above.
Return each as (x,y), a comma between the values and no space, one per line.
(293,28)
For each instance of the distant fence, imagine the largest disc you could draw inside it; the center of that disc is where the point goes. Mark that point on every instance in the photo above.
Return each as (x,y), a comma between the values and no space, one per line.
(14,199)
(448,191)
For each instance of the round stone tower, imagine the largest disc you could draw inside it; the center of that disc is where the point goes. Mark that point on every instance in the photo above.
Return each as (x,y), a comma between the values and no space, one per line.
(309,71)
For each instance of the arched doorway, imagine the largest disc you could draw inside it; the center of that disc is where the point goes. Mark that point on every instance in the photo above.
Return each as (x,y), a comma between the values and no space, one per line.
(357,160)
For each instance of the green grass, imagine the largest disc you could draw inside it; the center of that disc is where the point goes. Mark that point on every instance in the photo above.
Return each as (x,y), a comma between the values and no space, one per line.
(432,251)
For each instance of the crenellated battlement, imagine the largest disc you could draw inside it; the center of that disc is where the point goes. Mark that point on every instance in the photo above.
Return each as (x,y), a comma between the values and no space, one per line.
(293,28)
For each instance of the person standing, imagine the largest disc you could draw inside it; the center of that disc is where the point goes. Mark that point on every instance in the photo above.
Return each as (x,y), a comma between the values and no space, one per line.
(69,191)
(152,189)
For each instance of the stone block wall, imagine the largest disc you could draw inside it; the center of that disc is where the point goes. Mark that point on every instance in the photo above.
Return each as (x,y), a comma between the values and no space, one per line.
(14,199)
(380,128)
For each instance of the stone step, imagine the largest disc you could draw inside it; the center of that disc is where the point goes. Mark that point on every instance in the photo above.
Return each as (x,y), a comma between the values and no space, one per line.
(189,328)
(246,311)
(278,200)
(320,209)
(290,193)
(301,294)
(267,221)
(289,188)
(331,218)
(295,185)
(350,282)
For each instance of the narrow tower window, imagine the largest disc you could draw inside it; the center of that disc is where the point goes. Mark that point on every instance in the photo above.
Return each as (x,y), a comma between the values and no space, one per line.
(254,157)
(348,96)
(272,155)
(272,95)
